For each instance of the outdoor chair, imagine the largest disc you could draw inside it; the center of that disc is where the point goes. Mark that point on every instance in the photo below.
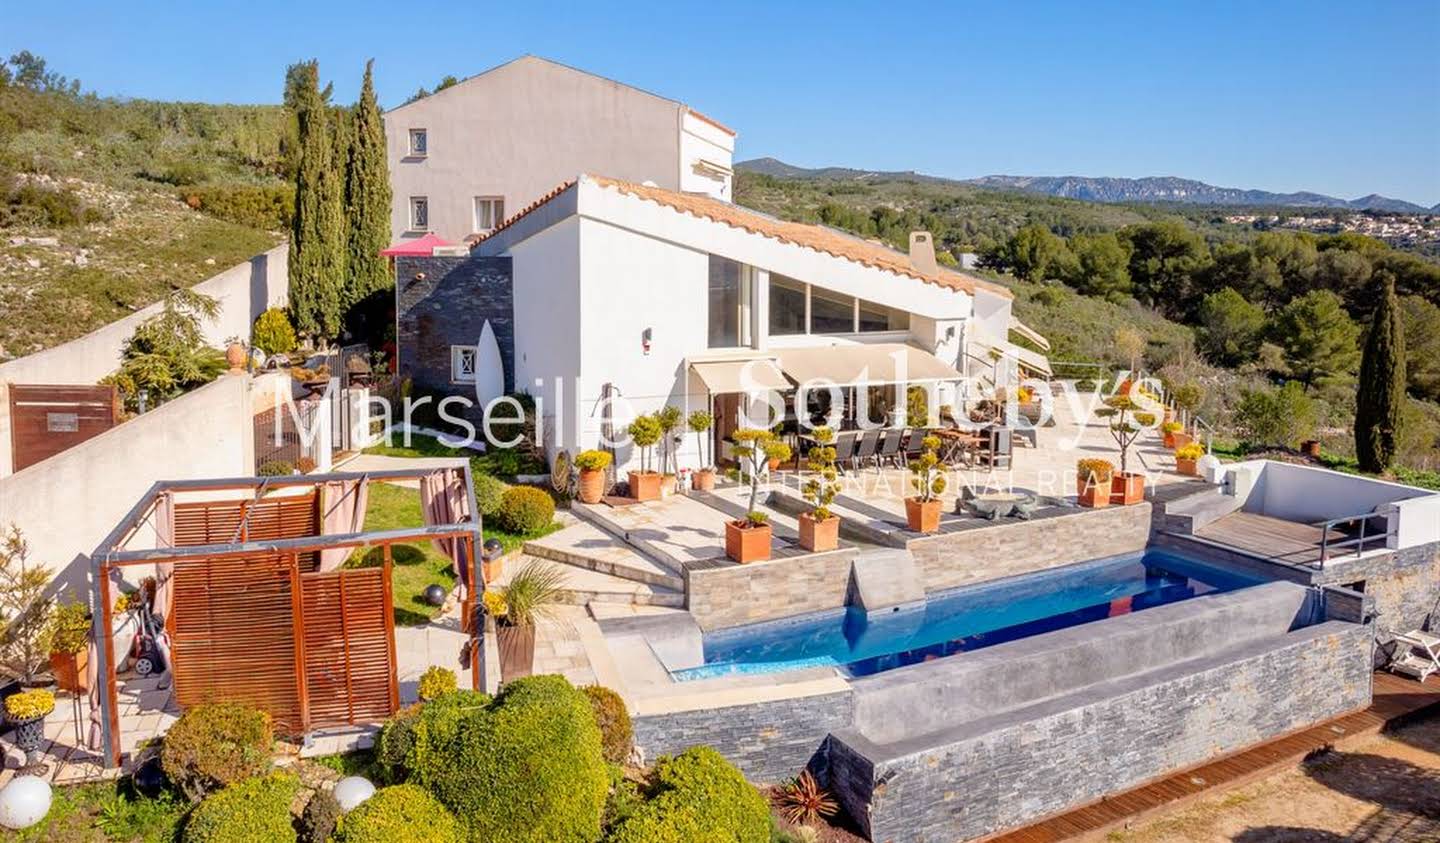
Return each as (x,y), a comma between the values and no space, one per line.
(914,444)
(845,449)
(890,448)
(997,451)
(865,450)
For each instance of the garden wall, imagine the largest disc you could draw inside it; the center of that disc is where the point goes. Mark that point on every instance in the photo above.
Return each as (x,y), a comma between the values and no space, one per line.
(763,591)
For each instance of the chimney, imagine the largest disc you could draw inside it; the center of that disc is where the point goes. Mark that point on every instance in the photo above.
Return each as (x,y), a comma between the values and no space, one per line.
(922,253)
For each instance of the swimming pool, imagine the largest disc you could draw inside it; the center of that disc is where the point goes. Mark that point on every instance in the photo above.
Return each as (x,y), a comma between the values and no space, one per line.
(963,619)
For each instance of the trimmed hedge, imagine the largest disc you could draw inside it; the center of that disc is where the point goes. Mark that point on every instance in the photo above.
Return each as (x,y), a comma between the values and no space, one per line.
(698,797)
(435,682)
(617,735)
(216,744)
(524,768)
(404,813)
(256,810)
(396,739)
(525,510)
(488,492)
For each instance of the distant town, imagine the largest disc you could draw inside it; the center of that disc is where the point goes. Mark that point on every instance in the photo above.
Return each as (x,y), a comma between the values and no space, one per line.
(1415,231)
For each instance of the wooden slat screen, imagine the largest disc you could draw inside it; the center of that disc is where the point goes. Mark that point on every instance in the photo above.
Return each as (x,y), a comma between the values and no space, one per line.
(233,635)
(45,420)
(349,661)
(214,522)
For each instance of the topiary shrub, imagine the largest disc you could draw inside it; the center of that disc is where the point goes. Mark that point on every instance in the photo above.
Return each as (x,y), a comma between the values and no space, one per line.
(275,468)
(697,795)
(435,682)
(256,810)
(318,820)
(524,768)
(272,333)
(616,733)
(403,813)
(488,492)
(525,510)
(216,744)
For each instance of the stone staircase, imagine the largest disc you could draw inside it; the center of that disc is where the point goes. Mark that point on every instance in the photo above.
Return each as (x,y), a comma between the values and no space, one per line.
(602,568)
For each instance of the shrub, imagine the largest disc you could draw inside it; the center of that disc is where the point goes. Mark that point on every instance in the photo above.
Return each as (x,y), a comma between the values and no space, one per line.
(489,491)
(1192,451)
(256,810)
(593,460)
(1284,416)
(69,628)
(27,705)
(273,333)
(523,768)
(435,682)
(1172,427)
(275,468)
(616,733)
(805,802)
(216,744)
(393,746)
(318,820)
(270,207)
(403,813)
(697,795)
(1098,472)
(525,510)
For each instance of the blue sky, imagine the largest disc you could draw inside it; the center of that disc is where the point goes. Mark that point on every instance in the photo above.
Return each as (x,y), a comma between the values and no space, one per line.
(1333,97)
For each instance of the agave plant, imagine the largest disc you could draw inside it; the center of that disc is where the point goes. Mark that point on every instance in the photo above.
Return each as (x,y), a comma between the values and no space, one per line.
(805,802)
(532,593)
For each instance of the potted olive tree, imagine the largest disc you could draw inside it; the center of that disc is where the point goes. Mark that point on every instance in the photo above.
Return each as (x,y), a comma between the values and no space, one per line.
(922,510)
(592,465)
(1092,482)
(820,528)
(645,431)
(24,609)
(703,480)
(25,712)
(748,539)
(517,608)
(69,636)
(671,419)
(1127,422)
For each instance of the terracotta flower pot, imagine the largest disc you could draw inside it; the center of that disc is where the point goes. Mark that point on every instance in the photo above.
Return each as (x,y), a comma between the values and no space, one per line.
(1126,489)
(1179,440)
(774,465)
(1310,448)
(1094,495)
(818,536)
(923,516)
(645,485)
(592,485)
(667,485)
(746,542)
(69,671)
(1186,467)
(703,480)
(1169,440)
(517,651)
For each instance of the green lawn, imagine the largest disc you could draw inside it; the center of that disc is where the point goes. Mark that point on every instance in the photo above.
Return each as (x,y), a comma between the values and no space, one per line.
(502,463)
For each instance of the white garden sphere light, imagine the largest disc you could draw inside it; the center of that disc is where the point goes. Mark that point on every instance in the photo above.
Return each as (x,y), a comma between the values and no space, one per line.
(1209,468)
(24,802)
(351,791)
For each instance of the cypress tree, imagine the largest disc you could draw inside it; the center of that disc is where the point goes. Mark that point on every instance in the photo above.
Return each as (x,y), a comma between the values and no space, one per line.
(1380,395)
(367,198)
(332,221)
(316,231)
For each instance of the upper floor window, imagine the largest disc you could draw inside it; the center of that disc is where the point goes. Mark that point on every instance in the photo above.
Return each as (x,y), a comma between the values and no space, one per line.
(419,213)
(462,363)
(729,302)
(878,317)
(788,306)
(800,308)
(489,213)
(419,142)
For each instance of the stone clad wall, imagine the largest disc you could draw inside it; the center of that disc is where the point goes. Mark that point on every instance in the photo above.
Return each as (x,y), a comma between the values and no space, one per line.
(763,591)
(1402,588)
(1023,547)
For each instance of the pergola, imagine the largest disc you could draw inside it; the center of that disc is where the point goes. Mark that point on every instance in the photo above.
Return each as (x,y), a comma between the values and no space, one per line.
(237,559)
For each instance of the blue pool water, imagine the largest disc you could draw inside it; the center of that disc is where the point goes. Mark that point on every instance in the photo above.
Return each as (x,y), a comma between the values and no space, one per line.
(964,619)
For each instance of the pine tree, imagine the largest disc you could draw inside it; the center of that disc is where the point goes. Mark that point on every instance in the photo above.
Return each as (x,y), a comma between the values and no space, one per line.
(1380,396)
(367,198)
(317,233)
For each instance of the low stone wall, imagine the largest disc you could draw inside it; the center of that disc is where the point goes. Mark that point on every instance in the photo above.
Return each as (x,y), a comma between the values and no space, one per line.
(1401,588)
(768,741)
(763,591)
(967,782)
(1023,547)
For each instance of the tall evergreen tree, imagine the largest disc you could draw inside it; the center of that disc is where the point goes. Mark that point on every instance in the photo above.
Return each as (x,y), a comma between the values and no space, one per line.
(1380,397)
(367,198)
(316,235)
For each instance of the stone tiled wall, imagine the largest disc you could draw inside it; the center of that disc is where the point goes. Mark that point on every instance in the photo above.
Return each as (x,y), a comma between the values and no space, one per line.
(1401,588)
(450,307)
(762,591)
(1022,547)
(978,784)
(768,741)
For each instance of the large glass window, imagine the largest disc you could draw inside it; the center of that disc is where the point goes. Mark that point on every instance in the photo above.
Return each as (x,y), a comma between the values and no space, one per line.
(787,306)
(831,313)
(729,304)
(878,317)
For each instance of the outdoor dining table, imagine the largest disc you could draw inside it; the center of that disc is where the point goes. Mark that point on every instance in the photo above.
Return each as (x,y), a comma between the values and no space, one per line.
(957,442)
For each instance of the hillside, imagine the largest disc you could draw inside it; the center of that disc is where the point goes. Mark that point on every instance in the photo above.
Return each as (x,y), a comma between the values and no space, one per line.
(95,222)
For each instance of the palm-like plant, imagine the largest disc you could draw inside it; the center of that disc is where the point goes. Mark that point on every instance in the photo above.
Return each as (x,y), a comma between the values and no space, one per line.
(805,802)
(532,593)
(756,448)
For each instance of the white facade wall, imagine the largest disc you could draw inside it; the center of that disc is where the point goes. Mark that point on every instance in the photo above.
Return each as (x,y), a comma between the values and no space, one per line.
(548,339)
(704,147)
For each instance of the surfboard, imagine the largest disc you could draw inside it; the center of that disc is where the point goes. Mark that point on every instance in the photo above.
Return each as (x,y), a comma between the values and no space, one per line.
(489,367)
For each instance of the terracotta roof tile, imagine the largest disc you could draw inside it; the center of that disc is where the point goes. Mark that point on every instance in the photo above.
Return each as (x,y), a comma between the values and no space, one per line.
(712,121)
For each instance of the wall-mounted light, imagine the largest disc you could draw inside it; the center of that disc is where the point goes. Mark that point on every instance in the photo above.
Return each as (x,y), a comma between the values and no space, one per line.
(419,276)
(646,336)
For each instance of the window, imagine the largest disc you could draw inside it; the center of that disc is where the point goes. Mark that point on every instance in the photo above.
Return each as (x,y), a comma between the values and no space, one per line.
(787,306)
(831,313)
(462,363)
(419,143)
(489,213)
(419,213)
(729,301)
(878,317)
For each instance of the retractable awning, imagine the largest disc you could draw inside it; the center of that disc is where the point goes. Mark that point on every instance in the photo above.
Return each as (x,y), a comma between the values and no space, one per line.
(844,365)
(1029,333)
(755,374)
(1033,361)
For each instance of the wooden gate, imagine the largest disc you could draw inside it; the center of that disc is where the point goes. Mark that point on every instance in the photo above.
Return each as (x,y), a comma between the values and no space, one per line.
(45,420)
(349,652)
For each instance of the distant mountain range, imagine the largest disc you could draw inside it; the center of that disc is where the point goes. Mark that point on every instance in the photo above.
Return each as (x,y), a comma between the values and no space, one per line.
(1153,189)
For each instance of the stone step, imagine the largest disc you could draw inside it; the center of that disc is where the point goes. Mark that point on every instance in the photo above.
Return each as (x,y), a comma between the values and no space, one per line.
(583,545)
(583,586)
(598,516)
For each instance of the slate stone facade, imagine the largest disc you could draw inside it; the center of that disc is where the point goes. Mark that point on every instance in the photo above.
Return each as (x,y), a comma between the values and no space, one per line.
(448,307)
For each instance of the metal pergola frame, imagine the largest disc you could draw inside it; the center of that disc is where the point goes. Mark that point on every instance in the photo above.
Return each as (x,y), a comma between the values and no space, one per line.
(109,556)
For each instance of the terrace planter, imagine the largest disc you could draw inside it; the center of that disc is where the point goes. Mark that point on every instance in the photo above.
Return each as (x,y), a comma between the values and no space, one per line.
(746,542)
(69,671)
(645,485)
(517,651)
(923,516)
(817,536)
(1093,494)
(1126,489)
(1310,448)
(1169,439)
(28,735)
(1186,467)
(703,480)
(1179,440)
(667,485)
(591,487)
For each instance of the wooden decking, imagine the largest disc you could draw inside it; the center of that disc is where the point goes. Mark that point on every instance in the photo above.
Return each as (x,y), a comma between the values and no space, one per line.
(1396,700)
(1266,537)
